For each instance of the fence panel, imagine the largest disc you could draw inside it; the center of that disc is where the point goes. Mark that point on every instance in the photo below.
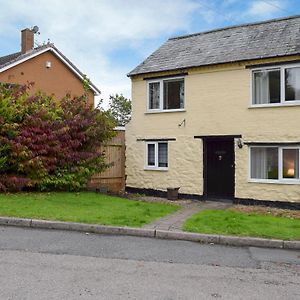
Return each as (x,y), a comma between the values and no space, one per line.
(112,179)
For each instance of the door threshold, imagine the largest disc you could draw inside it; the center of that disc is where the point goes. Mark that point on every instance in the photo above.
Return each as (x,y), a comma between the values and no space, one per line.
(219,199)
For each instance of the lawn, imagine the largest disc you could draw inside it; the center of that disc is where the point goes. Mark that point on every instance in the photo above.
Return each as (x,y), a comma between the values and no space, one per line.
(85,207)
(229,222)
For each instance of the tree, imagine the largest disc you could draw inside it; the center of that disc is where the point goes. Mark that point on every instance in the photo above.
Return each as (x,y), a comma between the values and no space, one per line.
(48,144)
(120,109)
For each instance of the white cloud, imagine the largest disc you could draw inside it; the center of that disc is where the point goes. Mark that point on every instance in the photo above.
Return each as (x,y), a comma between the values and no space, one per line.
(265,8)
(87,32)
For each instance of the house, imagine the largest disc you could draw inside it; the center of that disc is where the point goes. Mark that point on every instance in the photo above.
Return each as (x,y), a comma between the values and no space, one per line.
(51,71)
(217,114)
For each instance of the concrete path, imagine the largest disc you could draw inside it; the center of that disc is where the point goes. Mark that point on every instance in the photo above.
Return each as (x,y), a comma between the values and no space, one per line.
(175,221)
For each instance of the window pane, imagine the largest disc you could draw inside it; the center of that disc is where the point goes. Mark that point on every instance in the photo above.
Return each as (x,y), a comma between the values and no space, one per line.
(163,154)
(173,94)
(266,87)
(290,163)
(154,91)
(264,163)
(292,84)
(151,155)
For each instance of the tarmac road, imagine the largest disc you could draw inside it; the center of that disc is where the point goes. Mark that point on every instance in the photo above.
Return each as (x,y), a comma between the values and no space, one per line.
(50,264)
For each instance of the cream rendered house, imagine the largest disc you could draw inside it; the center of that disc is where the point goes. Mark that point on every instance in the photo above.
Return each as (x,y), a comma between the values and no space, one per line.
(217,114)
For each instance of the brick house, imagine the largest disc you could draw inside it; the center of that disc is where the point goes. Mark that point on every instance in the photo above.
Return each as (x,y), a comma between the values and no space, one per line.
(51,71)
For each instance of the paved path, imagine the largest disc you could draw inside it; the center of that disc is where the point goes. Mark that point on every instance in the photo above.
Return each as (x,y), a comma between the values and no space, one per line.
(175,221)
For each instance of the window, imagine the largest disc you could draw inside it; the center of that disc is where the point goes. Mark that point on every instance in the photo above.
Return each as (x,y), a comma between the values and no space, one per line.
(290,158)
(157,155)
(264,163)
(273,164)
(277,86)
(154,95)
(292,84)
(267,86)
(166,94)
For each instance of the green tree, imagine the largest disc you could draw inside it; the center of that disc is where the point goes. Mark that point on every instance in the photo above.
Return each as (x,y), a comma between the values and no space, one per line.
(120,109)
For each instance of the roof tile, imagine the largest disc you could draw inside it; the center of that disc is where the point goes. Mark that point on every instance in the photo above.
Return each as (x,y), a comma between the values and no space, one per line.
(277,37)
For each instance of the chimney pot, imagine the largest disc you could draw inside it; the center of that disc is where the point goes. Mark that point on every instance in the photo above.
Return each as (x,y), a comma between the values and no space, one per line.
(27,40)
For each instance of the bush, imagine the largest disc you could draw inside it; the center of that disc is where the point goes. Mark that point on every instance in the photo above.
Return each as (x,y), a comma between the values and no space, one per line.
(47,144)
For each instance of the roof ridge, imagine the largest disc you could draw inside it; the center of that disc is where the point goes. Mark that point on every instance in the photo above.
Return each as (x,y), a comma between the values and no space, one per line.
(234,26)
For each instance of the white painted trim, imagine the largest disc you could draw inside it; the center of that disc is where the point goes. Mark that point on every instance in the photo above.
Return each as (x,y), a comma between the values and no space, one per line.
(280,179)
(154,111)
(161,95)
(39,52)
(251,89)
(24,59)
(272,181)
(282,86)
(285,104)
(282,102)
(120,128)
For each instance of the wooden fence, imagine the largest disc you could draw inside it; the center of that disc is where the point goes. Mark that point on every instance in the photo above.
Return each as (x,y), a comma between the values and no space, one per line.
(112,179)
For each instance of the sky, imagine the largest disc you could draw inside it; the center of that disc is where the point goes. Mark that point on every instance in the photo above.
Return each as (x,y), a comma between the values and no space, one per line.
(106,39)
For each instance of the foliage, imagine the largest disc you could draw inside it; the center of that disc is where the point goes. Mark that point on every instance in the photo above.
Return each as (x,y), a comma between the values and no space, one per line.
(243,224)
(120,109)
(47,144)
(84,207)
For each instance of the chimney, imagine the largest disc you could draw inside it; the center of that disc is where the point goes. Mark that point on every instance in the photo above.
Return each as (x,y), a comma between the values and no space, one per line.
(27,40)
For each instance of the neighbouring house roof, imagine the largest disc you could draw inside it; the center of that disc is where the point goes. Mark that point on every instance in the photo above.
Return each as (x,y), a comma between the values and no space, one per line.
(273,38)
(11,60)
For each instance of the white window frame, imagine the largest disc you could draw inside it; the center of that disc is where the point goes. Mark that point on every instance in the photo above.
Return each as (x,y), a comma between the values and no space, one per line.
(155,167)
(282,102)
(280,179)
(161,95)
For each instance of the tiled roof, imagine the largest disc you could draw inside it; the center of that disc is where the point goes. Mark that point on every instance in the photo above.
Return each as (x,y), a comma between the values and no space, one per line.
(277,37)
(16,57)
(8,58)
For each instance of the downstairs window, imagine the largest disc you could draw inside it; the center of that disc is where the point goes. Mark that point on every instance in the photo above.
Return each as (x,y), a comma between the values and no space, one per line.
(157,155)
(270,163)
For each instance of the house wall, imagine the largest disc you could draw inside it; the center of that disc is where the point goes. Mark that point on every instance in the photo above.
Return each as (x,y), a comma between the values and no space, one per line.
(58,80)
(217,100)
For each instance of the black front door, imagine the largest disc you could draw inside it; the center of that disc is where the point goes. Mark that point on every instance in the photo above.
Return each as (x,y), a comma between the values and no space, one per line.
(219,168)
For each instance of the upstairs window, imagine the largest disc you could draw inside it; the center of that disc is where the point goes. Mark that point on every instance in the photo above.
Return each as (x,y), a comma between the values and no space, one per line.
(276,86)
(292,84)
(154,95)
(266,86)
(157,155)
(166,94)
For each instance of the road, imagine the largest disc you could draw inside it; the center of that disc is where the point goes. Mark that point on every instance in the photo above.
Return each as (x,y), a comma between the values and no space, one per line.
(45,264)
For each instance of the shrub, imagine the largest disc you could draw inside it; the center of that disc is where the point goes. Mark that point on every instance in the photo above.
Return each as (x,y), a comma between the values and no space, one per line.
(49,144)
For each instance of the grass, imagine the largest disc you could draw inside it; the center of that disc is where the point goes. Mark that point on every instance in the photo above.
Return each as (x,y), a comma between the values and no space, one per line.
(228,222)
(85,207)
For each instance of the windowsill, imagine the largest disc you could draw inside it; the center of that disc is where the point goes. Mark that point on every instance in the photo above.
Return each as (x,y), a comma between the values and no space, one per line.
(156,169)
(164,111)
(282,104)
(272,181)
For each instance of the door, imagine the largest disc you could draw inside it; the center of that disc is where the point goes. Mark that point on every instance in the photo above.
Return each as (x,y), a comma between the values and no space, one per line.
(219,168)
